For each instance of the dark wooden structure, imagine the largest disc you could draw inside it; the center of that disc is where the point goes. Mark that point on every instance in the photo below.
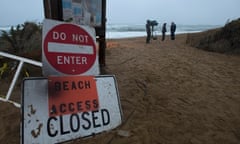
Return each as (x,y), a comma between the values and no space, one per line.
(53,10)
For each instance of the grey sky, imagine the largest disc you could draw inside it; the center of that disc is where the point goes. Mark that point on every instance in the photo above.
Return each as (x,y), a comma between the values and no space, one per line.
(13,12)
(180,11)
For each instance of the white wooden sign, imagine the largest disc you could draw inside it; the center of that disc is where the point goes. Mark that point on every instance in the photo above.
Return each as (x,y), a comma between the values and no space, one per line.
(60,109)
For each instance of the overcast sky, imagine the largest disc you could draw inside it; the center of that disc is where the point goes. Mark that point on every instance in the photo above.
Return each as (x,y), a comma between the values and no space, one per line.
(214,12)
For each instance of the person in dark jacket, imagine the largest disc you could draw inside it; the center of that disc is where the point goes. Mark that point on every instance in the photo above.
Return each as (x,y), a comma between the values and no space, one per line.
(173,29)
(148,30)
(164,30)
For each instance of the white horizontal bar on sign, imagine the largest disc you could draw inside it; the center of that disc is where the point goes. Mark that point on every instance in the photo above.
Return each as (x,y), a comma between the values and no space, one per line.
(69,48)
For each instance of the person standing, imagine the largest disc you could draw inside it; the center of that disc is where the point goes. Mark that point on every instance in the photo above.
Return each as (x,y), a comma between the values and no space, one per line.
(173,29)
(164,30)
(148,30)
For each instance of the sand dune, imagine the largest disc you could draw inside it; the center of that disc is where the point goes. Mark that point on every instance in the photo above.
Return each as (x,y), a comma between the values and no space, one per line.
(170,93)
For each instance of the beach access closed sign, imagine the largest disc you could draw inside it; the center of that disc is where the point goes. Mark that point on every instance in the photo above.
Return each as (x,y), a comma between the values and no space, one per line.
(68,49)
(60,109)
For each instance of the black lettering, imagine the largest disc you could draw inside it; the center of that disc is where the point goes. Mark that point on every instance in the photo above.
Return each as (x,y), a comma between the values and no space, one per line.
(77,123)
(65,85)
(94,118)
(53,110)
(49,127)
(95,103)
(87,105)
(62,108)
(87,84)
(74,87)
(63,132)
(80,85)
(71,85)
(84,117)
(57,86)
(71,107)
(105,117)
(79,106)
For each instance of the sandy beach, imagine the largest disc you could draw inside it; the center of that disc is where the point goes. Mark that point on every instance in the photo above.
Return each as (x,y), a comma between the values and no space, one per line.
(170,93)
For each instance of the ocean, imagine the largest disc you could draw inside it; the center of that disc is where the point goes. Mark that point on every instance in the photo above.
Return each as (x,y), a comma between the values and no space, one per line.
(115,31)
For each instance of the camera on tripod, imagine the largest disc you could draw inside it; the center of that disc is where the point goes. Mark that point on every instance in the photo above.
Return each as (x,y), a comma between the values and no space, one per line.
(154,33)
(153,23)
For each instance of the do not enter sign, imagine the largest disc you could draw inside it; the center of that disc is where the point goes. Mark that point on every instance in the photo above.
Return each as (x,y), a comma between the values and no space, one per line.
(68,49)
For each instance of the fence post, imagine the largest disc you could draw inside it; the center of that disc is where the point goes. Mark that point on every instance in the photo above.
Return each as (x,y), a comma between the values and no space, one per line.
(14,80)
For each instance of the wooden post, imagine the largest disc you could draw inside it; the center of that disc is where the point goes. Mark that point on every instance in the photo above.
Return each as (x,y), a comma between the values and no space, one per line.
(53,9)
(102,36)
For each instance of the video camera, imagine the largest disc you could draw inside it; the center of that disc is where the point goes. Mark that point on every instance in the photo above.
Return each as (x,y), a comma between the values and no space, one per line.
(153,23)
(154,33)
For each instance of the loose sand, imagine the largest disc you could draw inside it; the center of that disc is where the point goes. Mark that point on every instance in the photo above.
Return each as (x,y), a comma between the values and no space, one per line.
(170,94)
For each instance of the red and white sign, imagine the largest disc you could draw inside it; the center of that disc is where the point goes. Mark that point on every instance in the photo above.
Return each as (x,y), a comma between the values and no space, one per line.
(72,94)
(68,49)
(60,109)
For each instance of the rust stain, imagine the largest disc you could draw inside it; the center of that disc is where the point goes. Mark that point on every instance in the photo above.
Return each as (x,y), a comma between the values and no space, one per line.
(36,133)
(32,110)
